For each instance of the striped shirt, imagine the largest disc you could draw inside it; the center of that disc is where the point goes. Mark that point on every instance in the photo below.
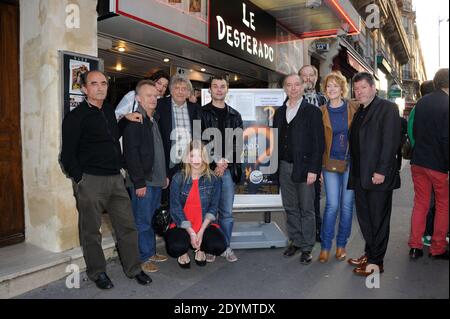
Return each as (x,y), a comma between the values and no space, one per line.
(181,133)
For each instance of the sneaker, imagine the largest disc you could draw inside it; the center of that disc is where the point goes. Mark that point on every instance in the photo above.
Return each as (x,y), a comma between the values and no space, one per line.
(229,255)
(149,267)
(426,240)
(158,258)
(210,258)
(306,258)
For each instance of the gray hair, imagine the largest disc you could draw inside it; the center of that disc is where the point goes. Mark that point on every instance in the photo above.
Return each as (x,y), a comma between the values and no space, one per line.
(289,75)
(177,79)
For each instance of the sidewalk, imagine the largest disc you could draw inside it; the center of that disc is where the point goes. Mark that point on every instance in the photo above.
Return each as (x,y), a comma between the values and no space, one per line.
(266,274)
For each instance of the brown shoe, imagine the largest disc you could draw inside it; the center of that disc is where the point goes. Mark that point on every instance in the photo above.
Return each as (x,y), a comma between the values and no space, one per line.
(324,255)
(357,262)
(340,254)
(158,258)
(368,269)
(149,267)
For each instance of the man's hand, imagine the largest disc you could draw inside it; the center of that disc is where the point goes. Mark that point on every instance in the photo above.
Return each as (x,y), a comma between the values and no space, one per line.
(219,172)
(134,117)
(140,192)
(378,179)
(167,183)
(311,178)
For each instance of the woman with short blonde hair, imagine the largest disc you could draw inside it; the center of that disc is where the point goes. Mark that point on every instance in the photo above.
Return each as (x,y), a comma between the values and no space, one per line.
(337,116)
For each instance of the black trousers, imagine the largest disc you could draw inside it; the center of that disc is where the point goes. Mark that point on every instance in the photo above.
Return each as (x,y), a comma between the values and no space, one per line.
(373,210)
(178,242)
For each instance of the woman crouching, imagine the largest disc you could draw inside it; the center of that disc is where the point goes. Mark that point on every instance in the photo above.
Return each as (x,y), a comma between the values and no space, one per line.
(194,202)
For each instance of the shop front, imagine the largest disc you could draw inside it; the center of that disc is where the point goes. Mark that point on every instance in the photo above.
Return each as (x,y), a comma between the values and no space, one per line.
(254,42)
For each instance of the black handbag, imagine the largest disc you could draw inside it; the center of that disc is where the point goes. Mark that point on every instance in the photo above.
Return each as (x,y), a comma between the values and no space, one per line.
(161,220)
(407,149)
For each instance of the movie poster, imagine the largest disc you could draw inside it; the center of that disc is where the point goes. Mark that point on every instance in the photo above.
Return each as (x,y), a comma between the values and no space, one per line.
(195,6)
(257,108)
(76,69)
(73,66)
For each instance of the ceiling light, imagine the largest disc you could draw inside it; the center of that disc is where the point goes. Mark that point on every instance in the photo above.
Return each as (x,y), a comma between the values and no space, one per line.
(119,67)
(203,69)
(121,49)
(236,77)
(166,60)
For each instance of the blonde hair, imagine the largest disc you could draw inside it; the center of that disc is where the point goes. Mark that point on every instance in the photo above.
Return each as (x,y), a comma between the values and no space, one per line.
(340,80)
(205,170)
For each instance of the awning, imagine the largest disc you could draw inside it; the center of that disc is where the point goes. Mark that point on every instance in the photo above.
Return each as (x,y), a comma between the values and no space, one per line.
(313,18)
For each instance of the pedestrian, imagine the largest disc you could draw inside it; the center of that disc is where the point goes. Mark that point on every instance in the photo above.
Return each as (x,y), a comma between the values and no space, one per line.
(92,158)
(310,75)
(430,167)
(226,165)
(337,115)
(374,142)
(146,171)
(300,150)
(194,203)
(426,87)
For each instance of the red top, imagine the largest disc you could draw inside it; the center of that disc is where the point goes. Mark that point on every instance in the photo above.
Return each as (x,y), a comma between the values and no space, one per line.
(193,207)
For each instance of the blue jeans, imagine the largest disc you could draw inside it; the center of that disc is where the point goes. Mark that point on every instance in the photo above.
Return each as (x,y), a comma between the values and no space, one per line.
(143,210)
(338,199)
(226,220)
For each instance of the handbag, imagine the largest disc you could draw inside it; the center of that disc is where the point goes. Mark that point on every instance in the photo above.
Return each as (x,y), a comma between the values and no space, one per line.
(161,220)
(407,149)
(336,166)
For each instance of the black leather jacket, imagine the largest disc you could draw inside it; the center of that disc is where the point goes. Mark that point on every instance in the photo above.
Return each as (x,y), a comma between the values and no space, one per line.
(233,120)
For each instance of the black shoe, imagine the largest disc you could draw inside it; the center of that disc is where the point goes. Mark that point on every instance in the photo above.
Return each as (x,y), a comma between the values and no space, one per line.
(306,258)
(415,253)
(142,278)
(290,251)
(443,256)
(103,281)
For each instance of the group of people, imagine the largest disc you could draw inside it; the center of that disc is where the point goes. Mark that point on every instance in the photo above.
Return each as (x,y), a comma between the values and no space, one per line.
(349,146)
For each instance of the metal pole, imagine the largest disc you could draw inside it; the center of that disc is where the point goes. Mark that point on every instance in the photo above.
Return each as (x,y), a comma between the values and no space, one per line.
(439,43)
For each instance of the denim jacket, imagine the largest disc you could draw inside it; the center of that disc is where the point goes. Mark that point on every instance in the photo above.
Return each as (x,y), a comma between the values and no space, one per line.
(209,190)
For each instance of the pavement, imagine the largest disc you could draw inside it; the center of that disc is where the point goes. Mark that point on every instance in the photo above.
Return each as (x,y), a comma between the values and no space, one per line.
(267,274)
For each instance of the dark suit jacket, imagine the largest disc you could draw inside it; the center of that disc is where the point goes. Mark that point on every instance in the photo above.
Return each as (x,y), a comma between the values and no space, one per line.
(164,112)
(307,140)
(379,140)
(431,132)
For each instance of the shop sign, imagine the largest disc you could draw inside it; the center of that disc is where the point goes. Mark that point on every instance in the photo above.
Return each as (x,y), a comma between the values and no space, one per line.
(322,46)
(241,29)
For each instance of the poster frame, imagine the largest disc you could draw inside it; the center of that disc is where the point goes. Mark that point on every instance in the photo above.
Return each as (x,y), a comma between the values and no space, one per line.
(65,58)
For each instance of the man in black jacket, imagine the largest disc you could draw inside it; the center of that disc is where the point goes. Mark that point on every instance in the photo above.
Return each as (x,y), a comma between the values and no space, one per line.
(300,148)
(176,122)
(144,155)
(92,158)
(374,141)
(430,167)
(221,116)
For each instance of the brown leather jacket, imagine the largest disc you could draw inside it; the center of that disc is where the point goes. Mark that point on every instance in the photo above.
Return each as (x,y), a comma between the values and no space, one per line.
(352,107)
